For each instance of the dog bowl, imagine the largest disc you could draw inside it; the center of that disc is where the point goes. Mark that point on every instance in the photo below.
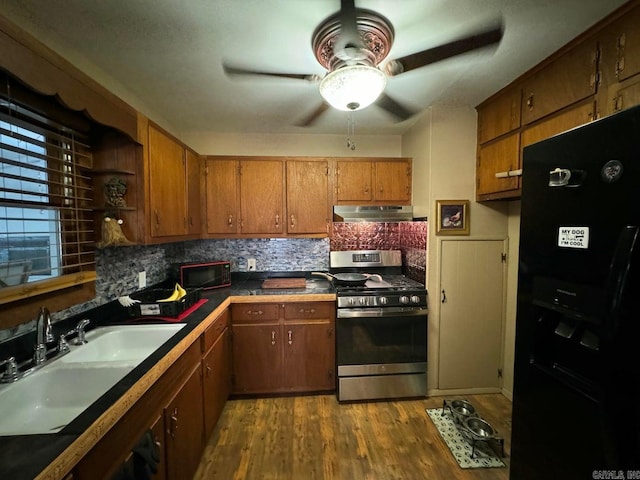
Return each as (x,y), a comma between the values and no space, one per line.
(462,409)
(479,428)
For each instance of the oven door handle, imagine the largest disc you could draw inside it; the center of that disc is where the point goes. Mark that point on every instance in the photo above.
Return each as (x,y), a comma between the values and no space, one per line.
(381,312)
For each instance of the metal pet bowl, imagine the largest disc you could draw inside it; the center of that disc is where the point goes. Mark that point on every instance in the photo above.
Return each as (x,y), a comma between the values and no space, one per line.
(462,409)
(479,428)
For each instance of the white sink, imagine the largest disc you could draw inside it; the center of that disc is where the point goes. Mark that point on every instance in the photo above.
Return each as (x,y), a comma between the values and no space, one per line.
(131,343)
(48,399)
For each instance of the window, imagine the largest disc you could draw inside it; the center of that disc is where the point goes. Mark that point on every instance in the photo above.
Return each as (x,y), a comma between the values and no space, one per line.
(46,217)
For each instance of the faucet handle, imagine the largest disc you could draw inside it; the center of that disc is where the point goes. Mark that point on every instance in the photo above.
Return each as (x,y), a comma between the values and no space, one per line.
(11,372)
(80,330)
(63,346)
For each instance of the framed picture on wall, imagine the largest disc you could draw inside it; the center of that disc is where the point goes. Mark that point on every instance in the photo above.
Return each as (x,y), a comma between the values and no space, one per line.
(452,217)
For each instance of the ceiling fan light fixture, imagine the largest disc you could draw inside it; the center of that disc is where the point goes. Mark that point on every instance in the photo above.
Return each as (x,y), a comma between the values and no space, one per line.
(353,87)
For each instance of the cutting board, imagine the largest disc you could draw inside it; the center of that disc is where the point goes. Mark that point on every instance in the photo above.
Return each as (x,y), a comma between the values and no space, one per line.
(285,283)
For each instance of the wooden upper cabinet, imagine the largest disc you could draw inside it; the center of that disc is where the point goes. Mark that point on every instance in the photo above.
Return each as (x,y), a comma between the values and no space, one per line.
(500,115)
(373,181)
(563,121)
(167,185)
(194,202)
(221,187)
(499,157)
(627,43)
(392,181)
(308,206)
(262,196)
(353,181)
(568,79)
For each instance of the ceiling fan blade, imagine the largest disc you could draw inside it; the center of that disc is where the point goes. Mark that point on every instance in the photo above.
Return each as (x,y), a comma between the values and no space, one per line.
(231,71)
(448,50)
(387,103)
(313,116)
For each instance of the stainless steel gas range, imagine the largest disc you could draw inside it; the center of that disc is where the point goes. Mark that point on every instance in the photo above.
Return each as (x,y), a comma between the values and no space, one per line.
(381,329)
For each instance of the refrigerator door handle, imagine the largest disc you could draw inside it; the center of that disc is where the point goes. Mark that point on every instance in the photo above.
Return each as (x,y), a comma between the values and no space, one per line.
(619,268)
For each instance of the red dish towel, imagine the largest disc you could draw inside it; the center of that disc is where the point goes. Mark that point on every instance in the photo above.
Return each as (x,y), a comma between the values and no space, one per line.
(177,319)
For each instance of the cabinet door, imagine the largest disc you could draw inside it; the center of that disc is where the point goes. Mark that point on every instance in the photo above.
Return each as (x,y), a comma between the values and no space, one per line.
(221,192)
(167,185)
(567,80)
(194,206)
(392,181)
(157,430)
(471,317)
(627,41)
(622,95)
(354,181)
(309,353)
(261,196)
(565,120)
(308,206)
(183,418)
(257,358)
(500,115)
(217,380)
(500,156)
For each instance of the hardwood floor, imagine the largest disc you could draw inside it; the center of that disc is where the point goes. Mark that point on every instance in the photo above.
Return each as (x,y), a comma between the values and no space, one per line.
(315,437)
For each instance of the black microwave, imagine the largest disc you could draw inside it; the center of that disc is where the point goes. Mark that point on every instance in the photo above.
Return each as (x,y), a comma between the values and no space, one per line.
(205,275)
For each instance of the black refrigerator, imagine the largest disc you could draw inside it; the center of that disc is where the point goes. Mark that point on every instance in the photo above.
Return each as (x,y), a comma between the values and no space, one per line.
(576,399)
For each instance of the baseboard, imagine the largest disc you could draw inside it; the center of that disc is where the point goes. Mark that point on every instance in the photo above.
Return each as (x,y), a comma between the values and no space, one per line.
(463,391)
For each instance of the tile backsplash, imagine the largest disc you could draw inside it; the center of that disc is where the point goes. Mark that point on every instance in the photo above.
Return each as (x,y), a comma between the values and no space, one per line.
(408,237)
(117,267)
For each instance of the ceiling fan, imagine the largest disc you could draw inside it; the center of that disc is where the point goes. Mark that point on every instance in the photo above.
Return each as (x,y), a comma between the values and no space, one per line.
(351,44)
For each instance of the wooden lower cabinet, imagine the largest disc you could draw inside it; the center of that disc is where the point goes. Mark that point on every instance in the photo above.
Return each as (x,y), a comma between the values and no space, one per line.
(288,347)
(180,409)
(216,368)
(184,429)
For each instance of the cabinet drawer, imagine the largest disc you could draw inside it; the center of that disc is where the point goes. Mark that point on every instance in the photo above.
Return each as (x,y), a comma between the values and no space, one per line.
(214,330)
(309,310)
(254,312)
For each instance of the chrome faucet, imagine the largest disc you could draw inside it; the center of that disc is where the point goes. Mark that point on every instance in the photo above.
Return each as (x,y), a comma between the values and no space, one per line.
(43,336)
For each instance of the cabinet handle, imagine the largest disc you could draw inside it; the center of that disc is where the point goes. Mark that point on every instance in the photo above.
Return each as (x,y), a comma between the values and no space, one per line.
(208,370)
(311,310)
(444,297)
(273,337)
(329,332)
(293,221)
(277,220)
(230,221)
(530,101)
(174,423)
(157,218)
(381,189)
(254,312)
(290,334)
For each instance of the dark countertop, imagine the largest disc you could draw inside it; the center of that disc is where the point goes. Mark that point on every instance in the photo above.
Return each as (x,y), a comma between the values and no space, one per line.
(24,457)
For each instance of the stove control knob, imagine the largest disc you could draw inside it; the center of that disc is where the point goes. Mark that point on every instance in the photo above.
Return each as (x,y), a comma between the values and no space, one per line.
(404,299)
(352,301)
(415,299)
(383,300)
(363,301)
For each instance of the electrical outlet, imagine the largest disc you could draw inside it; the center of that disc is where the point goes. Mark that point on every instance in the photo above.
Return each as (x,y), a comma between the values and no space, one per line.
(142,279)
(251,264)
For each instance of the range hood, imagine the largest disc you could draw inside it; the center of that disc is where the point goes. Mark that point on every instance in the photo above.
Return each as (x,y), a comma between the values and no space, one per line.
(372,213)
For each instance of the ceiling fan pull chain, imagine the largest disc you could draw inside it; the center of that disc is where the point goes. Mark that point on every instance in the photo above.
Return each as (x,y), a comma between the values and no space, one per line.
(351,131)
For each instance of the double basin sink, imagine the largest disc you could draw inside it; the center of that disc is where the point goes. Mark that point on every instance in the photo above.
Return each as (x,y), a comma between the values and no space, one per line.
(50,398)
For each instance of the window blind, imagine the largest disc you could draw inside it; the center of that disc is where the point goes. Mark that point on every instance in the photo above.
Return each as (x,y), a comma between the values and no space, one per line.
(46,216)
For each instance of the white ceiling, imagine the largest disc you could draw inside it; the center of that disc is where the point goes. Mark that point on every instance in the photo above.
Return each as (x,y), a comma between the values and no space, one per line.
(165,56)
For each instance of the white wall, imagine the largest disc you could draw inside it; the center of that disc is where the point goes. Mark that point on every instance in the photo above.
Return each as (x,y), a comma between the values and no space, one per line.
(210,143)
(443,146)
